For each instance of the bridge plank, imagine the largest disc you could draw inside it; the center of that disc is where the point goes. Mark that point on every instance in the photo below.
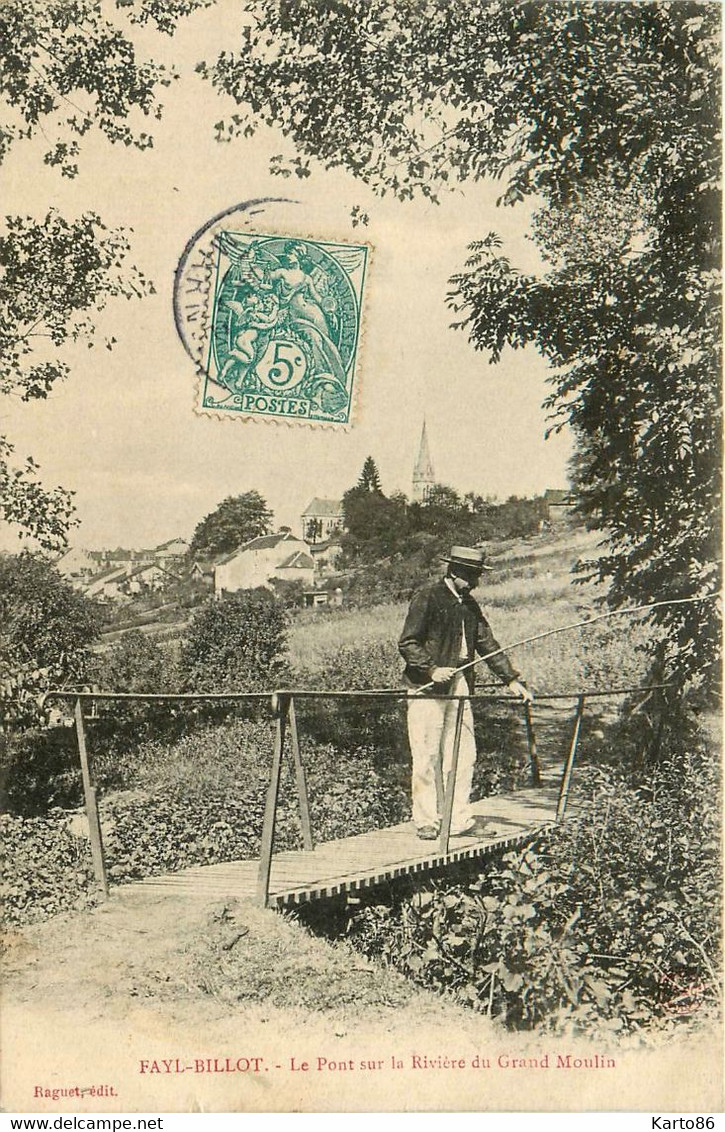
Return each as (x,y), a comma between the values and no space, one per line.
(367,859)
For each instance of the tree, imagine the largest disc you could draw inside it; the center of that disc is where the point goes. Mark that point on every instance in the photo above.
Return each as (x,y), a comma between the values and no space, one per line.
(375,525)
(476,504)
(445,498)
(636,377)
(313,530)
(574,104)
(55,275)
(235,645)
(442,514)
(236,520)
(64,69)
(46,628)
(369,477)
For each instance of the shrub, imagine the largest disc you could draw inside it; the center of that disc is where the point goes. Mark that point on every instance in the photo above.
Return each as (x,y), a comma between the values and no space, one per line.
(234,645)
(230,764)
(351,793)
(45,629)
(44,868)
(135,663)
(610,919)
(376,725)
(380,725)
(145,836)
(196,801)
(176,826)
(393,579)
(502,759)
(39,770)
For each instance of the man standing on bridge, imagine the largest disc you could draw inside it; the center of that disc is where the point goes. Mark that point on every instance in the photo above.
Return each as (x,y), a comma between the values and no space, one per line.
(443,630)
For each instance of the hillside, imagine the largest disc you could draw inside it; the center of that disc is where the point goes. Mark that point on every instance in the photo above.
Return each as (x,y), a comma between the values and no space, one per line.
(545,560)
(531,591)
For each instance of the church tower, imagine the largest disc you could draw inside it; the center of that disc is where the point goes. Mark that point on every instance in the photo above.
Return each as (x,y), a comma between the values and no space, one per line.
(423,475)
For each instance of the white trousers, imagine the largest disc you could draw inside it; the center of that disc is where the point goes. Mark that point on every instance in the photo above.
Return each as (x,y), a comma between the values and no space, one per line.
(431,731)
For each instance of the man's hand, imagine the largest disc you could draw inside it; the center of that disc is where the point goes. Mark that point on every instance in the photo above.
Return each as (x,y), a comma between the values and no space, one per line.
(442,675)
(519,689)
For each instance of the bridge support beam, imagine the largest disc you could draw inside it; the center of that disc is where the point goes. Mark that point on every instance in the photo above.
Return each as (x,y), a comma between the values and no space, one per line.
(300,780)
(531,741)
(280,706)
(91,800)
(569,765)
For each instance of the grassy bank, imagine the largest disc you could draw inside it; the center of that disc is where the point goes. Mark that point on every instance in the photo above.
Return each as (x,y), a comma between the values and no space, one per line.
(531,591)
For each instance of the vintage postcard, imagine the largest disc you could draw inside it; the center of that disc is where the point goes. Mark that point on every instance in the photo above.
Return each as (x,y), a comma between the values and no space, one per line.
(359,579)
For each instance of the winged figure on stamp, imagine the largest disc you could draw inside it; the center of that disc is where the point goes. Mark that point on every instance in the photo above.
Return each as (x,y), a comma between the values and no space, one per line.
(282,295)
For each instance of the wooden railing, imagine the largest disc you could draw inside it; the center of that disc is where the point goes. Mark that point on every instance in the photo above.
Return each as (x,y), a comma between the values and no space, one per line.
(283,711)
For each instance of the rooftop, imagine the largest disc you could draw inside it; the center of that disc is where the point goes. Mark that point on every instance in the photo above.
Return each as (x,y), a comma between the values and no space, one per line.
(107,575)
(261,542)
(323,509)
(299,559)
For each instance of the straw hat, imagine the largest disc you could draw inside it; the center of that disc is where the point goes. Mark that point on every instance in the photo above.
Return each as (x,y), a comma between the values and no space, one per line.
(470,556)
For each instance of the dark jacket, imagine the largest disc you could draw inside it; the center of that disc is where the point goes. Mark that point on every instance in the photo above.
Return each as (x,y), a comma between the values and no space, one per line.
(431,637)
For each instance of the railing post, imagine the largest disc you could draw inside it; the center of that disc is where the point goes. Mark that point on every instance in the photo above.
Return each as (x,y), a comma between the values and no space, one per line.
(569,765)
(91,801)
(531,740)
(300,779)
(280,706)
(450,786)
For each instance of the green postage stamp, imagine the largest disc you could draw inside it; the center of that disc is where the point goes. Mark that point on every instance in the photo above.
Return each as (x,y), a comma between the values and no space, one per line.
(284,330)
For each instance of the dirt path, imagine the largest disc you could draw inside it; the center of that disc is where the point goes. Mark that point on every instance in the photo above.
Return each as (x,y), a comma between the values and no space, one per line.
(161,1004)
(88,999)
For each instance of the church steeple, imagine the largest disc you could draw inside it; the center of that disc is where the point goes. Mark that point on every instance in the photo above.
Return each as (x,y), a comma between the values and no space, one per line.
(423,475)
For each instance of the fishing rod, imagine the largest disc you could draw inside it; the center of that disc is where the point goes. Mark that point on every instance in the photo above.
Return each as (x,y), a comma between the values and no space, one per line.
(565,628)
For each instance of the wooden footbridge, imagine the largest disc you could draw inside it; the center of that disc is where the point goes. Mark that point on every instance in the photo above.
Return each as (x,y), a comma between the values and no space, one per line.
(350,864)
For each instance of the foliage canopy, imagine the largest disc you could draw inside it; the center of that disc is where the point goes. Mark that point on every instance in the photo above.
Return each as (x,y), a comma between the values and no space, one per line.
(55,276)
(579,105)
(236,520)
(235,645)
(64,70)
(46,628)
(369,476)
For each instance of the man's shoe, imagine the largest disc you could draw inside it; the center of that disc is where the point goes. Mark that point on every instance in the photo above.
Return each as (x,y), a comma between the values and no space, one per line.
(427,832)
(475,828)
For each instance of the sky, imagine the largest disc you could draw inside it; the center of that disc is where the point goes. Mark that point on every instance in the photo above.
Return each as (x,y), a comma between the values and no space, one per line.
(122,432)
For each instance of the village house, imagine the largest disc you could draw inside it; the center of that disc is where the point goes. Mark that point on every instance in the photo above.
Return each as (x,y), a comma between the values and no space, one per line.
(202,572)
(172,551)
(149,578)
(258,561)
(108,559)
(320,519)
(97,572)
(77,564)
(317,599)
(560,504)
(325,555)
